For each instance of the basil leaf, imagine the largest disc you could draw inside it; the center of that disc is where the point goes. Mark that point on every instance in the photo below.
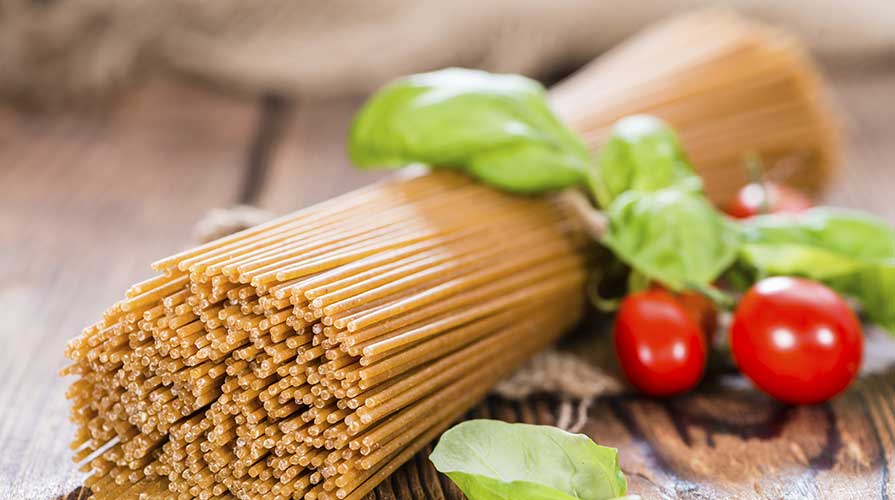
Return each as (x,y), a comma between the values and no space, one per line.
(848,233)
(499,128)
(852,252)
(493,460)
(674,236)
(874,287)
(644,154)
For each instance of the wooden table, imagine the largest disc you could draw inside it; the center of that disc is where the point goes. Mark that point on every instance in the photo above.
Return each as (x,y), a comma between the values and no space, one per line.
(90,196)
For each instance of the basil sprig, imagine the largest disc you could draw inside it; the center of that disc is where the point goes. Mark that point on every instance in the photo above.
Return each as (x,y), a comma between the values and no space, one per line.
(642,154)
(660,223)
(493,460)
(498,128)
(673,236)
(852,252)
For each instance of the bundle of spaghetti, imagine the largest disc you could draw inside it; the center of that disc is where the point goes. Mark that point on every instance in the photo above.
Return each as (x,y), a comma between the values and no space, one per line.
(306,357)
(311,356)
(728,85)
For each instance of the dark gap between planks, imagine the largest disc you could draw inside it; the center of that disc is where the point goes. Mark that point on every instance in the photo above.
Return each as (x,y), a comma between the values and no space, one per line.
(271,123)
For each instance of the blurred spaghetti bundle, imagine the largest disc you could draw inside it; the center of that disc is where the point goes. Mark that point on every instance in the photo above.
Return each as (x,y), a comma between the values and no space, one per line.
(727,86)
(312,355)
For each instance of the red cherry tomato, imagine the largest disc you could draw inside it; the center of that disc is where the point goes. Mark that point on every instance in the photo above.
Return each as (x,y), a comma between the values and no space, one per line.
(796,339)
(658,343)
(766,197)
(700,308)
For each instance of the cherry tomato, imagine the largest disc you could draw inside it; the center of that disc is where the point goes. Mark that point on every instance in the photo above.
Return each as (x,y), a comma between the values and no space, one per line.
(702,310)
(766,197)
(658,343)
(796,339)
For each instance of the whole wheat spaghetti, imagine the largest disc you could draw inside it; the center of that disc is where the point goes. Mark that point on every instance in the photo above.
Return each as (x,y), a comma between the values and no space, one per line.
(727,86)
(311,356)
(302,357)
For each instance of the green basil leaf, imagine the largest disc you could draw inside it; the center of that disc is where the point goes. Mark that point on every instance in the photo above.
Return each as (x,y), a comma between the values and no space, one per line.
(674,236)
(874,287)
(493,460)
(852,252)
(848,233)
(499,128)
(644,154)
(792,258)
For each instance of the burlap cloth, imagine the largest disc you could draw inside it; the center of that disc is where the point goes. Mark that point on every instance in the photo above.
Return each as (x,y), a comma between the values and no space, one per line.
(53,50)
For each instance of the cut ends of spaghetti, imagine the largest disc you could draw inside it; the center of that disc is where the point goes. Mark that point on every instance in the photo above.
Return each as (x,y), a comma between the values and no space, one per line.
(311,356)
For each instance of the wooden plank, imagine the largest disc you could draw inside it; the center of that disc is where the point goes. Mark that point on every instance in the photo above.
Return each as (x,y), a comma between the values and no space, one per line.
(311,164)
(87,199)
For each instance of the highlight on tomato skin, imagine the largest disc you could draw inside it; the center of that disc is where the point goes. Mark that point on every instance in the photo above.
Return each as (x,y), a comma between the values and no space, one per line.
(660,346)
(758,198)
(797,340)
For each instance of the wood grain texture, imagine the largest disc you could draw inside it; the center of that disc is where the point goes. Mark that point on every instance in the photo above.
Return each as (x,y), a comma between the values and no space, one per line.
(311,163)
(89,201)
(727,440)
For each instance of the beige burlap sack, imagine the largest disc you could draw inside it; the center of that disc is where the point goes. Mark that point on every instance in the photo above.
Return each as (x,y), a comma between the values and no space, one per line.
(52,50)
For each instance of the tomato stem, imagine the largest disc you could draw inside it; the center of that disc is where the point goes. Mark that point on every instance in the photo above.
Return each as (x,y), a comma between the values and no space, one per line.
(721,299)
(603,304)
(756,176)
